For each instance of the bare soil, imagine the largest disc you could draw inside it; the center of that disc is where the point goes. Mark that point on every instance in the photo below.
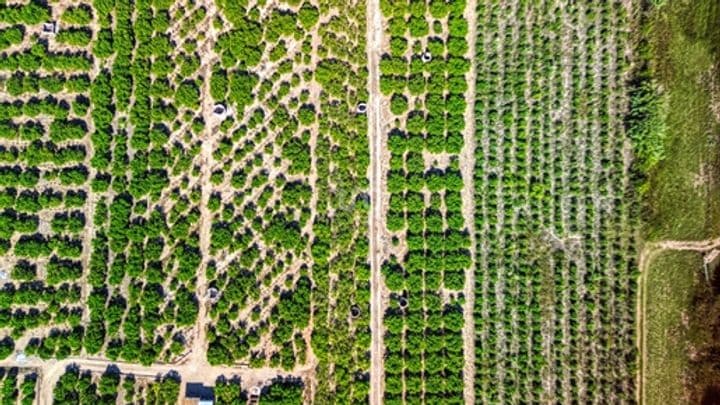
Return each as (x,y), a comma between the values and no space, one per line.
(467,169)
(376,217)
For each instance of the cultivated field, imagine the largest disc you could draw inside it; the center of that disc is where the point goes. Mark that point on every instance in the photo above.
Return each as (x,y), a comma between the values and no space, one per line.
(679,294)
(554,302)
(423,80)
(319,201)
(668,342)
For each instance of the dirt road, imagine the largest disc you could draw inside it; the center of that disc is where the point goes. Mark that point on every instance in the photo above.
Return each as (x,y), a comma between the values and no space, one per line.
(650,251)
(467,168)
(376,225)
(199,343)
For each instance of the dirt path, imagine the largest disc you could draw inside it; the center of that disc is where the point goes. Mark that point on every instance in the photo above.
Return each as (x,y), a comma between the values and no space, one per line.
(376,226)
(467,168)
(197,358)
(650,251)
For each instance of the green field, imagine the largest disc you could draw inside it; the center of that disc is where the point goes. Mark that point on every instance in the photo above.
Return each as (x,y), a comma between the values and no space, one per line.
(683,197)
(672,279)
(684,45)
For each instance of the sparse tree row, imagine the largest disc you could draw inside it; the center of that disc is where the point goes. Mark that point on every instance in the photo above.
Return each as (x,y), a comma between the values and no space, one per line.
(424,78)
(289,204)
(555,291)
(261,200)
(341,304)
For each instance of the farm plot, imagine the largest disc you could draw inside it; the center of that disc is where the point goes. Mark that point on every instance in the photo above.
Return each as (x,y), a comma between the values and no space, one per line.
(555,270)
(186,179)
(45,178)
(148,129)
(289,203)
(424,78)
(677,280)
(100,133)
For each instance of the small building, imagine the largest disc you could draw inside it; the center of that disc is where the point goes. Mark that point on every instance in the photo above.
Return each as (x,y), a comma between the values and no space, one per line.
(221,111)
(198,394)
(254,397)
(20,357)
(213,294)
(50,28)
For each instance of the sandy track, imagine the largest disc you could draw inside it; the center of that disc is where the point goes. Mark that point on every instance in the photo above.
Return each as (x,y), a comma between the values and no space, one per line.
(649,252)
(467,168)
(376,224)
(198,358)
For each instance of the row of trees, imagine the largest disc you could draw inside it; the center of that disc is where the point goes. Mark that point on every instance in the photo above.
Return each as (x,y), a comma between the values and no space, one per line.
(39,152)
(32,293)
(79,37)
(34,107)
(39,57)
(541,204)
(424,349)
(36,246)
(32,13)
(17,385)
(33,201)
(81,387)
(11,36)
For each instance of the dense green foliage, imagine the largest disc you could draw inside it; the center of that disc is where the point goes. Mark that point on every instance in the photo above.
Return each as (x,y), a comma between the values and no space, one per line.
(77,15)
(17,386)
(283,392)
(31,13)
(423,343)
(11,36)
(80,387)
(228,392)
